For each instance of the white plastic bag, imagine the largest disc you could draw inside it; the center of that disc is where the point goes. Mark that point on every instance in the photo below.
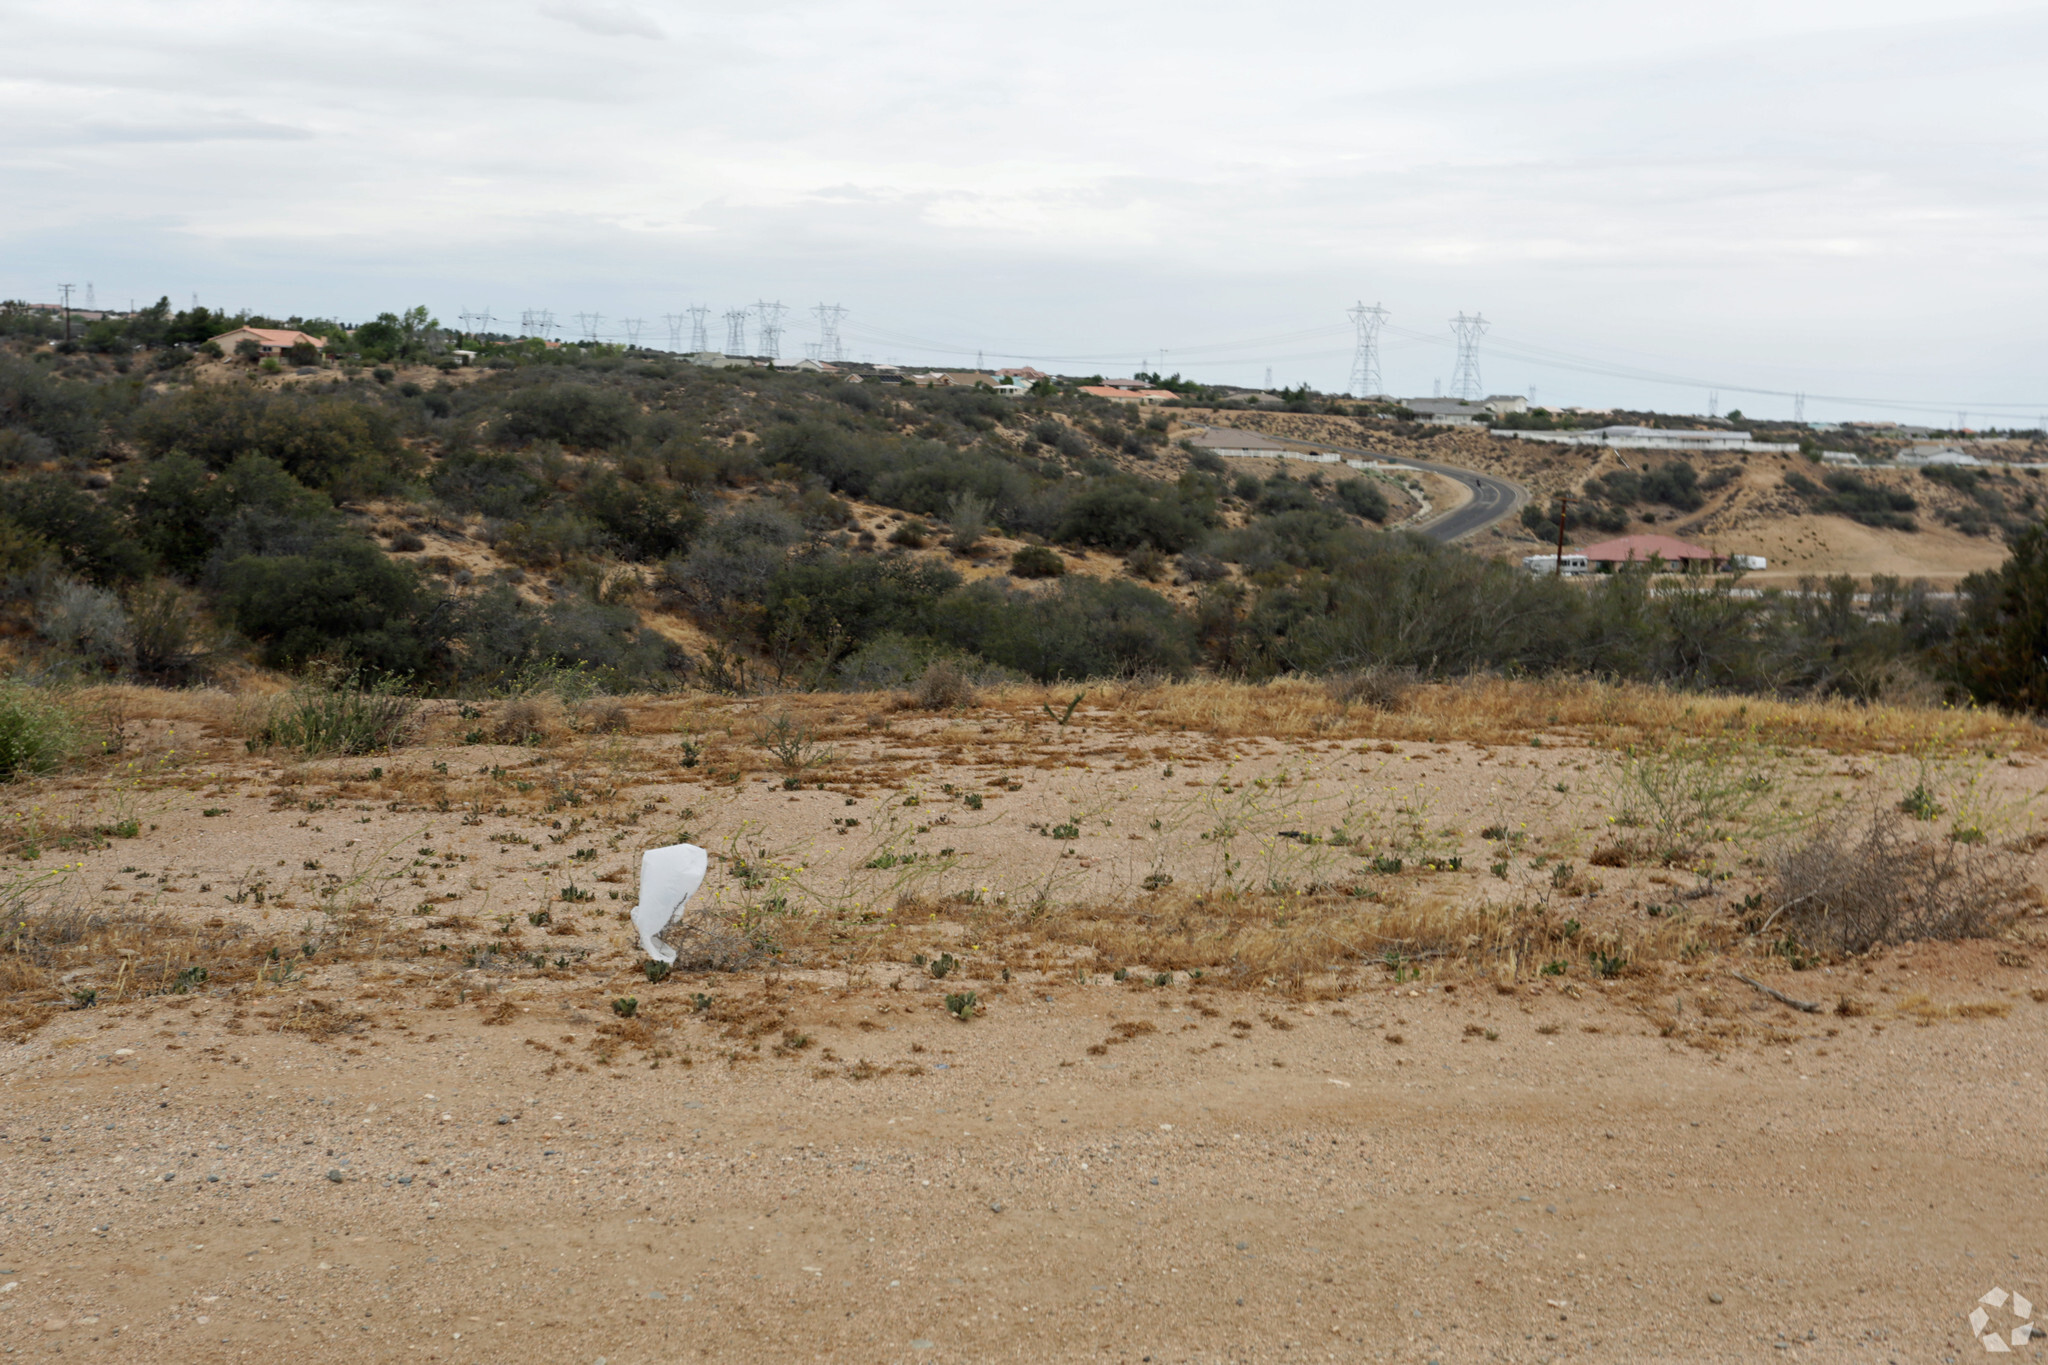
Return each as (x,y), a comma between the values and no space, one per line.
(668,878)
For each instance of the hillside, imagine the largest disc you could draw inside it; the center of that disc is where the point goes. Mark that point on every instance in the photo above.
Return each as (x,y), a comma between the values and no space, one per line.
(1940,525)
(646,524)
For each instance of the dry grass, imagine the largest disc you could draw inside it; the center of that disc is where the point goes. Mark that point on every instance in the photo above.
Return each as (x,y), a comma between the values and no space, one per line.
(75,958)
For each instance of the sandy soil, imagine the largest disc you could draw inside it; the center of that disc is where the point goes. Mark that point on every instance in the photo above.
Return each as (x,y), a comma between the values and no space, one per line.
(437,1155)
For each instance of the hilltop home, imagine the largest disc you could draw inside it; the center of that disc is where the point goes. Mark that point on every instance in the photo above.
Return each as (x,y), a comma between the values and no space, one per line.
(269,340)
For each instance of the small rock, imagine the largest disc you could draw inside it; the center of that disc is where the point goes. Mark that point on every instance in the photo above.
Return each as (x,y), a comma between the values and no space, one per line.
(169,1175)
(1714,1298)
(995,1207)
(335,1176)
(921,1344)
(1244,1246)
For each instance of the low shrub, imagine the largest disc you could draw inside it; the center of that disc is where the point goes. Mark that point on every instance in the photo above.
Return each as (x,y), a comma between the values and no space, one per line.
(37,733)
(1859,882)
(1037,561)
(945,686)
(343,719)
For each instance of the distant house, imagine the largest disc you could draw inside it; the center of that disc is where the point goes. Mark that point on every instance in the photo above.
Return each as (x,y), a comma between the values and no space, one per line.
(269,340)
(1611,554)
(1126,391)
(1447,412)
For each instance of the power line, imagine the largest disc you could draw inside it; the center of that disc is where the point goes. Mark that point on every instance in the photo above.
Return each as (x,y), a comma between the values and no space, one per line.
(770,328)
(1365,360)
(1465,381)
(829,346)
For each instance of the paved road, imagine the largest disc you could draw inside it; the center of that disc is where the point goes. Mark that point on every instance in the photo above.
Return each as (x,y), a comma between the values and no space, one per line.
(1492,498)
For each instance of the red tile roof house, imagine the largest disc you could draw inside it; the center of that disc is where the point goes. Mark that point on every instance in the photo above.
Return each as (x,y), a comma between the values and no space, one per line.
(269,340)
(1668,550)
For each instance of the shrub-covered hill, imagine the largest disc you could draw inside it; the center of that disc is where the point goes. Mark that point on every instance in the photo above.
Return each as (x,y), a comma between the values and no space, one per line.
(602,507)
(165,514)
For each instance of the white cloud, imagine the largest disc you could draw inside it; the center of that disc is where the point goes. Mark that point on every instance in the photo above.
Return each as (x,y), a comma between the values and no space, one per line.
(607,21)
(1822,194)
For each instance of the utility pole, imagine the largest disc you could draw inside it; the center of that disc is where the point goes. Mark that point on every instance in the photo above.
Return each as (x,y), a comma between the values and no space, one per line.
(1564,505)
(1465,381)
(65,290)
(1365,357)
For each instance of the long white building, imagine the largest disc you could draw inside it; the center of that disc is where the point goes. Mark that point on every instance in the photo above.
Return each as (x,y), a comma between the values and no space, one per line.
(1653,438)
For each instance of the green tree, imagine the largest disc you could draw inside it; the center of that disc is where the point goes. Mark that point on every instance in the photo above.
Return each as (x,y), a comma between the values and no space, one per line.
(2001,645)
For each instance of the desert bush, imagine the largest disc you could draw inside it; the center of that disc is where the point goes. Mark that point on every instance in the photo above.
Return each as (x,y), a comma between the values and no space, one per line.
(342,445)
(578,415)
(1855,497)
(69,417)
(1037,561)
(84,621)
(87,534)
(733,558)
(641,522)
(1362,498)
(337,717)
(1282,493)
(1122,514)
(1382,689)
(523,720)
(1146,562)
(1197,567)
(945,686)
(37,732)
(1860,881)
(496,485)
(342,598)
(911,535)
(606,717)
(181,512)
(163,632)
(1083,628)
(967,514)
(890,660)
(1671,800)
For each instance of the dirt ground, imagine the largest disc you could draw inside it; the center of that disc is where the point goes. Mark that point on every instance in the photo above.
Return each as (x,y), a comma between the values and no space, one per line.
(423,1131)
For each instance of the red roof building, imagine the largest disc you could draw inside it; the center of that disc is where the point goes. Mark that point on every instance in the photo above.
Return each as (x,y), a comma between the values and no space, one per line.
(1641,549)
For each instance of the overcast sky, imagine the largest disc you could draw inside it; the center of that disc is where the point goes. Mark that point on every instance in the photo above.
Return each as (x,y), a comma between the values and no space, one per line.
(1802,195)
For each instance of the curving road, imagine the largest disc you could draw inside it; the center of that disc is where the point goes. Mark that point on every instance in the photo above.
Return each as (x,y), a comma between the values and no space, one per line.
(1492,497)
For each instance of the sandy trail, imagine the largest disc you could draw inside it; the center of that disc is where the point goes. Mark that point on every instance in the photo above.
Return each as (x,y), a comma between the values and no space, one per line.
(1299,1187)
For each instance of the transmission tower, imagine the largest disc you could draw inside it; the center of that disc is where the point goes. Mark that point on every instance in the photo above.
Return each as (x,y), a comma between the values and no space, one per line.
(1713,403)
(829,315)
(1365,361)
(632,326)
(544,319)
(1465,381)
(589,323)
(700,327)
(65,290)
(1799,407)
(770,328)
(89,304)
(674,323)
(736,332)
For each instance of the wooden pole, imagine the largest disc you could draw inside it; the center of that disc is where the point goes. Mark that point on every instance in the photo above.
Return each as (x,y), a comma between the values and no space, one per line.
(1564,503)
